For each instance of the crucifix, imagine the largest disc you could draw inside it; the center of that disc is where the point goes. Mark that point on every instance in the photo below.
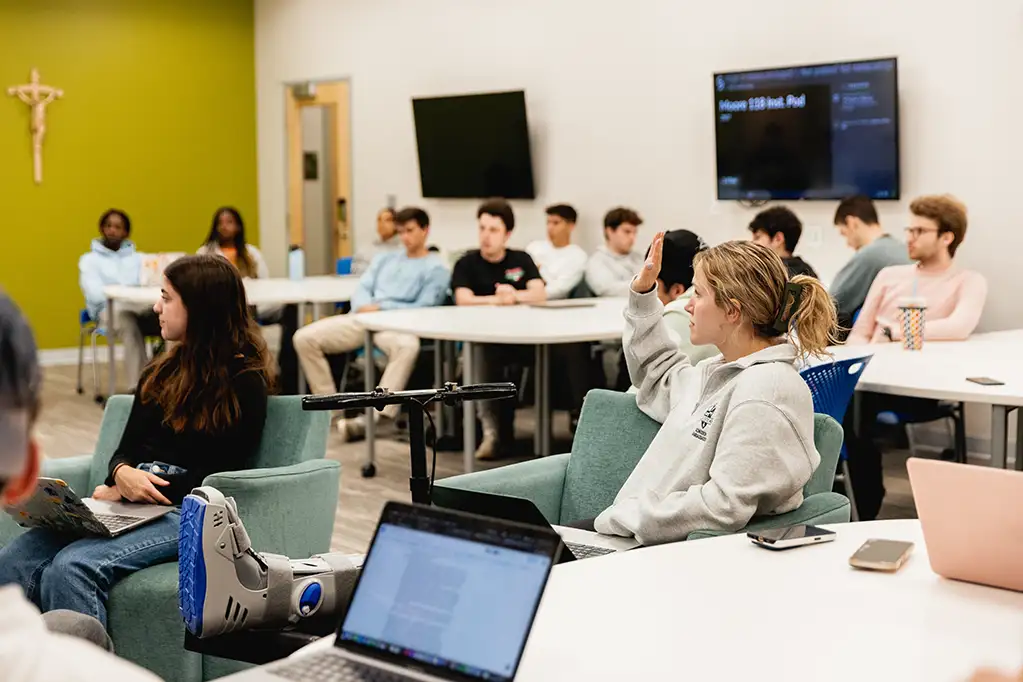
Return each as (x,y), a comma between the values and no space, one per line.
(36,96)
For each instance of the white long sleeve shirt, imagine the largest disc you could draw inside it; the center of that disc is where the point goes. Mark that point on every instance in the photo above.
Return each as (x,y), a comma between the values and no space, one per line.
(610,274)
(562,268)
(29,652)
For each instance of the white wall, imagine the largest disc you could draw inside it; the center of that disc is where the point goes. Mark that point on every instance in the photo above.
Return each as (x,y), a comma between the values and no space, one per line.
(620,103)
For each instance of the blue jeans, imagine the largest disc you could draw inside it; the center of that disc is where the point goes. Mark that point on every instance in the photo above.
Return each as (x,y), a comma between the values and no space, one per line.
(60,572)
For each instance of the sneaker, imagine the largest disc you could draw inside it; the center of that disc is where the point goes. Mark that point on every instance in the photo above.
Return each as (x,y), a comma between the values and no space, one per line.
(488,449)
(351,430)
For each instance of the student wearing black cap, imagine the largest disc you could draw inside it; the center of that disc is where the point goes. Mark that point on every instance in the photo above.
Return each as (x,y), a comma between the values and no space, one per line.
(674,289)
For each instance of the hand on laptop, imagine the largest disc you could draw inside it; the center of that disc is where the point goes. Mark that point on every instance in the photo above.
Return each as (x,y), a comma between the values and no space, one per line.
(136,485)
(106,493)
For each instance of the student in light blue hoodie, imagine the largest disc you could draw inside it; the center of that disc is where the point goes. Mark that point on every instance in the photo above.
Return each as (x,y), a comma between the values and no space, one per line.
(414,277)
(114,260)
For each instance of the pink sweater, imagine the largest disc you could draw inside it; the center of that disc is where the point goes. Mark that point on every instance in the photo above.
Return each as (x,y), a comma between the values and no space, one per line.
(955,300)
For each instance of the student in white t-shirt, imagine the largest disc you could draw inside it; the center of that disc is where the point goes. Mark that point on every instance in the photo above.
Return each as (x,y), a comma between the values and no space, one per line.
(561,263)
(30,646)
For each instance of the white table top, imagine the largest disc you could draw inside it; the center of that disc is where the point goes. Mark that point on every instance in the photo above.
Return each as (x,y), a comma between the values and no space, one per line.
(273,291)
(518,324)
(723,609)
(940,369)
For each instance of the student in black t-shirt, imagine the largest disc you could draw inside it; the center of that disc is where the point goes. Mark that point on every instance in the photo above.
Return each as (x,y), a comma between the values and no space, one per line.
(497,275)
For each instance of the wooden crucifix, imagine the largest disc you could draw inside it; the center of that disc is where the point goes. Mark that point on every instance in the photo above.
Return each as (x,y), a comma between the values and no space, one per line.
(36,96)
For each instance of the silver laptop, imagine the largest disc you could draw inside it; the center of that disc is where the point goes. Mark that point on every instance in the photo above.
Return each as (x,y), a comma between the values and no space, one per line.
(55,506)
(442,596)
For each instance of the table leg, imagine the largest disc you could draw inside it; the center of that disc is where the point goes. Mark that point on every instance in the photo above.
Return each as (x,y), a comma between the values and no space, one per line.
(370,376)
(438,381)
(1019,439)
(538,402)
(999,434)
(545,409)
(468,410)
(111,347)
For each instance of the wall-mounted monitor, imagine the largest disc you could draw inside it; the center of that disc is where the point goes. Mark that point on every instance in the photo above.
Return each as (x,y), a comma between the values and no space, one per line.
(822,131)
(474,146)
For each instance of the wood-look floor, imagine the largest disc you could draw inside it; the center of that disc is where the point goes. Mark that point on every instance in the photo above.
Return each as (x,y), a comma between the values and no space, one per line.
(69,426)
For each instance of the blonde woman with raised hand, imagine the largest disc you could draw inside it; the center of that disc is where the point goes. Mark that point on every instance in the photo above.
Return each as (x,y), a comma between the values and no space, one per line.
(736,439)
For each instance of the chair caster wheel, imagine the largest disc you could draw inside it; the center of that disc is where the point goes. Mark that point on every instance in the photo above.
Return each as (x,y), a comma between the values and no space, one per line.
(100,400)
(369,470)
(80,391)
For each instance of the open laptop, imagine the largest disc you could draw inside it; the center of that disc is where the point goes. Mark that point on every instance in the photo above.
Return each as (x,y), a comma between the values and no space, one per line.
(580,544)
(442,596)
(972,520)
(55,506)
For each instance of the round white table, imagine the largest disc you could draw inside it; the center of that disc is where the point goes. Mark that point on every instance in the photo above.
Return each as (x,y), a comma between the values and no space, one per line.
(516,325)
(939,371)
(261,292)
(724,609)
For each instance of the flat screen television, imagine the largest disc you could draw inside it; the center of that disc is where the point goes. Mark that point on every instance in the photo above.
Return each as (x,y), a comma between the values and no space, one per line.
(822,131)
(474,146)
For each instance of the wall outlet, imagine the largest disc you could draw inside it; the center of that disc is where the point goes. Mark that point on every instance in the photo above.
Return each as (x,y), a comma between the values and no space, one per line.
(813,236)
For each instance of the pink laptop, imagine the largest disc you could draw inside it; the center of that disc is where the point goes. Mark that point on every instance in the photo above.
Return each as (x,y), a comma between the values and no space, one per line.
(972,519)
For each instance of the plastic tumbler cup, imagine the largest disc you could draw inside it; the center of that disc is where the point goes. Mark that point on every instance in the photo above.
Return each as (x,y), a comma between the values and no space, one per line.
(912,314)
(344,265)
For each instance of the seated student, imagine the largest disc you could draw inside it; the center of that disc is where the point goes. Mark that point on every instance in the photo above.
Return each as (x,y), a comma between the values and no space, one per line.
(413,278)
(201,406)
(856,219)
(561,263)
(611,267)
(736,439)
(779,229)
(227,239)
(955,300)
(674,291)
(114,260)
(387,241)
(30,644)
(497,275)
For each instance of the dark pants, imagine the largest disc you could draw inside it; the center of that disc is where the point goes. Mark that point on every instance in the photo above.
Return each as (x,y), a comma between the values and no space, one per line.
(287,360)
(864,454)
(573,363)
(502,362)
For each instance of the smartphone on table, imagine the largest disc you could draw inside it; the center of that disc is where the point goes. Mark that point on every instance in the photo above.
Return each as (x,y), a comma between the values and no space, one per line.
(791,536)
(881,555)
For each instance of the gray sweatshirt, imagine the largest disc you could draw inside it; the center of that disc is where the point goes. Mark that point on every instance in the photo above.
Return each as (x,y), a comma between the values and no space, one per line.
(854,279)
(736,438)
(609,273)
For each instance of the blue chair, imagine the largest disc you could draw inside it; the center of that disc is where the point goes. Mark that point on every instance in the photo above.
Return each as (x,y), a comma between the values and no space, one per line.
(89,328)
(832,385)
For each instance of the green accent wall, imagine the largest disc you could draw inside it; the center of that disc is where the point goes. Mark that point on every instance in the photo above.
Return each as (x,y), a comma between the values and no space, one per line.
(158,118)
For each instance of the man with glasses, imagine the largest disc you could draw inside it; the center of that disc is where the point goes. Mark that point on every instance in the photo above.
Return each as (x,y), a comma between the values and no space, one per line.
(955,300)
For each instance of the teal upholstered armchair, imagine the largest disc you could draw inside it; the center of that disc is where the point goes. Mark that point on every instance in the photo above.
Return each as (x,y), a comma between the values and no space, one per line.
(288,500)
(611,437)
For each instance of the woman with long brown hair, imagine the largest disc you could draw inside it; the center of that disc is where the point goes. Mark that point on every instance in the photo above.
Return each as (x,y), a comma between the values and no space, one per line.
(736,436)
(199,409)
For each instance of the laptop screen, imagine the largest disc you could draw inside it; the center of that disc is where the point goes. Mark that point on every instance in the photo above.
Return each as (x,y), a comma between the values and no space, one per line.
(450,593)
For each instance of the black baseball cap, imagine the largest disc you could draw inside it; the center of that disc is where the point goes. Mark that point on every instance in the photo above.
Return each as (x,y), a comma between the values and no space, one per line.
(20,382)
(680,248)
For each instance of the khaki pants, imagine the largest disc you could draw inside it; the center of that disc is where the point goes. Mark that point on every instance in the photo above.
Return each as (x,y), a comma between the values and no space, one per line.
(132,324)
(343,334)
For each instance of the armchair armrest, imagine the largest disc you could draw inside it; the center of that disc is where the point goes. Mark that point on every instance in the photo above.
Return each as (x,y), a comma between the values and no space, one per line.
(816,510)
(286,510)
(72,470)
(540,480)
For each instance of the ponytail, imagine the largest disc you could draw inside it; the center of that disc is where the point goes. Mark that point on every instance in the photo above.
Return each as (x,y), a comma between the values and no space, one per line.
(815,321)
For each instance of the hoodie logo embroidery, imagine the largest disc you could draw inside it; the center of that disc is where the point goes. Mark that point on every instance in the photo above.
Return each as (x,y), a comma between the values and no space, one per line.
(700,432)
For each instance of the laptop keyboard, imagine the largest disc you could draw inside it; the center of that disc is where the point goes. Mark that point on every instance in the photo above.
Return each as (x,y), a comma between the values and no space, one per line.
(116,522)
(587,551)
(329,667)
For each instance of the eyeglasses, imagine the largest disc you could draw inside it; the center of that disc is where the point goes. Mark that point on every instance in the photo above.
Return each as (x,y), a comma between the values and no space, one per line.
(915,232)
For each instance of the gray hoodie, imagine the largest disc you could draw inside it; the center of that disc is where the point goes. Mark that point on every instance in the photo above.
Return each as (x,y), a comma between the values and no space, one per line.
(736,438)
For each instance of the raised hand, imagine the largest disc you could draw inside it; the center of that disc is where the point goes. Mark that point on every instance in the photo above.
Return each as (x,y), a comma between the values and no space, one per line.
(646,279)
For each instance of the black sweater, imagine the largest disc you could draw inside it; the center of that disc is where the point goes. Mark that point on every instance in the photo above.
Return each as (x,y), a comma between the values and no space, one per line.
(147,439)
